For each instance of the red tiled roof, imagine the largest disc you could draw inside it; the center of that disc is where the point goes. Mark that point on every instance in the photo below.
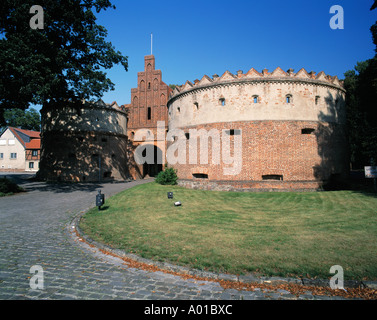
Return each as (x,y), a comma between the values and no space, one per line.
(30,133)
(35,138)
(33,144)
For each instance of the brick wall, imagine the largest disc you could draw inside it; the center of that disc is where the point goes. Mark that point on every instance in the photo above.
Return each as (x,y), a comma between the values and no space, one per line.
(271,149)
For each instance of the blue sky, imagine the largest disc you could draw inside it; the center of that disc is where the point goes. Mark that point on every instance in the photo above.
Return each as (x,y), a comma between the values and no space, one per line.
(194,38)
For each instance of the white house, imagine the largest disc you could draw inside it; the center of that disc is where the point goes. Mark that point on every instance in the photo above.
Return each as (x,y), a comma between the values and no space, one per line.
(20,150)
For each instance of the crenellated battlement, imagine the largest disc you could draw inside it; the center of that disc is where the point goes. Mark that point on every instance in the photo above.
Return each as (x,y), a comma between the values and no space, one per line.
(278,75)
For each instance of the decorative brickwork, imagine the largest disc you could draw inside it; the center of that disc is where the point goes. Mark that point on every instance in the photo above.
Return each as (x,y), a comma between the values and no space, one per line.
(148,106)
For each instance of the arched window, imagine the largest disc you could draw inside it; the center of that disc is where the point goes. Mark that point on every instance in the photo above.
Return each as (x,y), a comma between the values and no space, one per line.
(155,84)
(162,100)
(288,98)
(136,101)
(142,85)
(222,101)
(255,99)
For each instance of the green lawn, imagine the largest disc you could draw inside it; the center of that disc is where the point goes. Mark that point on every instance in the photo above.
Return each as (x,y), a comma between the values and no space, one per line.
(285,234)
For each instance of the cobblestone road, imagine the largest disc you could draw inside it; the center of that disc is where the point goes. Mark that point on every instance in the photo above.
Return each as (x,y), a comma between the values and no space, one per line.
(34,230)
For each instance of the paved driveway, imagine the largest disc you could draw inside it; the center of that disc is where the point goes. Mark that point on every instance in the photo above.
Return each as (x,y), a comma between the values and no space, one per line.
(34,232)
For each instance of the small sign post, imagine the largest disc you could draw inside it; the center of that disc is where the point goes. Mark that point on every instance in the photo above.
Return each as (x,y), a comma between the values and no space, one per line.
(371,173)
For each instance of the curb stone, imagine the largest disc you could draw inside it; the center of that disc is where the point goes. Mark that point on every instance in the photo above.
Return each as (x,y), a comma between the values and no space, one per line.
(248,278)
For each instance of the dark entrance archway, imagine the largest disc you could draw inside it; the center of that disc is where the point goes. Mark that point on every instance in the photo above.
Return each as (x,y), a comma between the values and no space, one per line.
(152,167)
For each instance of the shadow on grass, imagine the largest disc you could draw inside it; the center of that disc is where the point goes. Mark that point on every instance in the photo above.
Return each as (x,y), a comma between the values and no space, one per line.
(355,182)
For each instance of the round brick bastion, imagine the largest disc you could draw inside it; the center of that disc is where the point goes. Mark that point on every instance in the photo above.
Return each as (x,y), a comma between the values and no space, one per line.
(259,131)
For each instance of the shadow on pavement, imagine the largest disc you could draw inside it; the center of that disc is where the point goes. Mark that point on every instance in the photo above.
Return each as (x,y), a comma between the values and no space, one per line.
(30,184)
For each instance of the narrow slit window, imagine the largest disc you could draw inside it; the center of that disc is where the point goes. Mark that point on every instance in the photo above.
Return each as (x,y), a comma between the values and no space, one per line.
(276,177)
(288,98)
(222,101)
(307,131)
(196,105)
(187,136)
(149,113)
(255,99)
(200,175)
(317,99)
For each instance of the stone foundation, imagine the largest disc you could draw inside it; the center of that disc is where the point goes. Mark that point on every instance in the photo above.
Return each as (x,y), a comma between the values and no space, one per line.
(262,186)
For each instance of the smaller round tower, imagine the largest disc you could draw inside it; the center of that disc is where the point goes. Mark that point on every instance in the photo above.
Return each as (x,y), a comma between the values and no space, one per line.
(84,143)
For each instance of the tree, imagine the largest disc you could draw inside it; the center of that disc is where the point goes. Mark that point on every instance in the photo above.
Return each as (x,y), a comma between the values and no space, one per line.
(63,61)
(361,86)
(24,119)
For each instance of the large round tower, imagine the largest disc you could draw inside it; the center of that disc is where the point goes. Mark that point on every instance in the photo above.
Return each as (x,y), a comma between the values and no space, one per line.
(265,131)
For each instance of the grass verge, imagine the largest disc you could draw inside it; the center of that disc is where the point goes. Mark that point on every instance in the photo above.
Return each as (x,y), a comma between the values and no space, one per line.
(282,234)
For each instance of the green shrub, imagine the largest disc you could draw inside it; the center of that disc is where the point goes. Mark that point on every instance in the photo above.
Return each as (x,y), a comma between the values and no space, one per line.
(167,177)
(8,187)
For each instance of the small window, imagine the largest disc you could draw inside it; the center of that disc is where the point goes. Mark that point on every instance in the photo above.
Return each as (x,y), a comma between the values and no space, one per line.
(233,132)
(149,85)
(187,136)
(178,109)
(13,155)
(149,113)
(255,99)
(34,153)
(1,155)
(31,165)
(317,99)
(196,105)
(222,101)
(307,131)
(288,98)
(200,175)
(273,177)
